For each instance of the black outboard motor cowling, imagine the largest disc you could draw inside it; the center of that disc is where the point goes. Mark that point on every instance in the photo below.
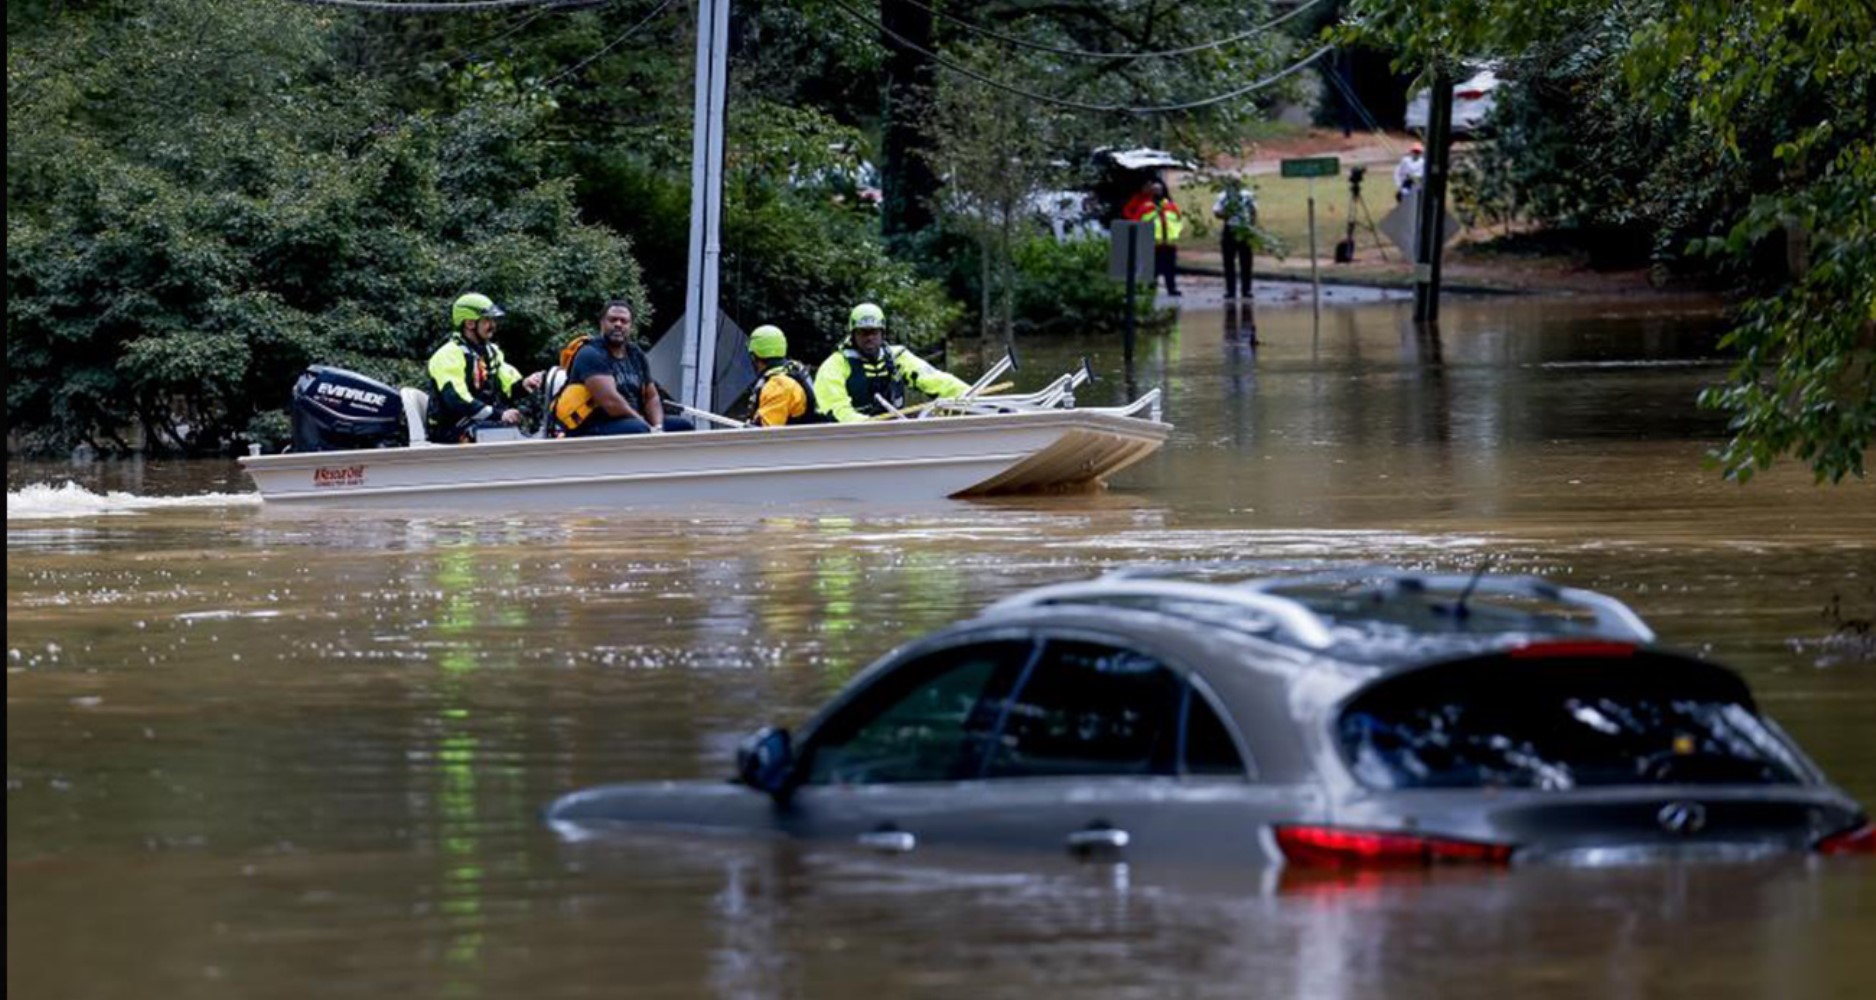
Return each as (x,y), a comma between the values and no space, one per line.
(337,410)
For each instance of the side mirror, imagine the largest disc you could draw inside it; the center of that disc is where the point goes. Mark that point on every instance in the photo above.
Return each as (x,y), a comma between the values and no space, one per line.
(765,759)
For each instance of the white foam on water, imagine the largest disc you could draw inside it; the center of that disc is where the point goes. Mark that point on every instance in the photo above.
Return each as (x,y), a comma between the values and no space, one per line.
(45,501)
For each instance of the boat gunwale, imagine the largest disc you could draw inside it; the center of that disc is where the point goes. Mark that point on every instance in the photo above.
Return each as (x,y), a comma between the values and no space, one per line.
(798,434)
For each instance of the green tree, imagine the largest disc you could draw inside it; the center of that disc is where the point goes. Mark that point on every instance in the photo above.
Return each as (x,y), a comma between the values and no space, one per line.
(1776,93)
(201,203)
(992,150)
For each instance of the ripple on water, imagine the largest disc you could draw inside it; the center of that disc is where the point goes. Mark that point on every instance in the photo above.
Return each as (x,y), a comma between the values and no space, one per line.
(46,501)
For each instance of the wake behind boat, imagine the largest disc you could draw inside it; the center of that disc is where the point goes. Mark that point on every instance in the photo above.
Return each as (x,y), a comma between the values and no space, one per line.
(971,446)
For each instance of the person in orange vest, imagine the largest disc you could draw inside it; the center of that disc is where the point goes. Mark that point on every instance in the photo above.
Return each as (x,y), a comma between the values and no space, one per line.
(783,393)
(1167,222)
(1140,202)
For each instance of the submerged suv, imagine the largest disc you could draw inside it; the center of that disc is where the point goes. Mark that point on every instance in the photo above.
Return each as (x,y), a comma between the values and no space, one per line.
(1350,719)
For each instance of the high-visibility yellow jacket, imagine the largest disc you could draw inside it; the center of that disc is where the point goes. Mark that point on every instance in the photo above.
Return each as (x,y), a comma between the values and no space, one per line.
(846,384)
(468,383)
(1166,220)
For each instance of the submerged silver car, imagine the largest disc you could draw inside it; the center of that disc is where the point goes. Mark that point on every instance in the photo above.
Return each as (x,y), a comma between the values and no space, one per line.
(1354,719)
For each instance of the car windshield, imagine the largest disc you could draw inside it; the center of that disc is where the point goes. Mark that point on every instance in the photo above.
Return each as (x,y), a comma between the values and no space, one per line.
(1558,724)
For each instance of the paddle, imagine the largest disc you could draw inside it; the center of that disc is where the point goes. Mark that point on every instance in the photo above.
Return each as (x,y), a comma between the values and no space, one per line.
(910,410)
(706,415)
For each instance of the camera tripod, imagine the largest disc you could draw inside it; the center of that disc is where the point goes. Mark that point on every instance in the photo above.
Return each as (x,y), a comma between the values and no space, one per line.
(1345,250)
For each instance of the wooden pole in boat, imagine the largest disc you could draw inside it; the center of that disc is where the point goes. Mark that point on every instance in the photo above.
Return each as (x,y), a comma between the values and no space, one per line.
(928,404)
(708,417)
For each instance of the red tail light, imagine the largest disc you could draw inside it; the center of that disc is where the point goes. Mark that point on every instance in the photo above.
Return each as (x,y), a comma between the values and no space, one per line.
(1857,840)
(1547,650)
(1335,847)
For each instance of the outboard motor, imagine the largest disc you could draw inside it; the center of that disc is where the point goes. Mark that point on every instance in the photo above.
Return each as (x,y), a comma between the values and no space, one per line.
(337,410)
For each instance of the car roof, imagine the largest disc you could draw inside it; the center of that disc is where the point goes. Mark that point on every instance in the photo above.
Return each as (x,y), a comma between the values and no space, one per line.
(1371,617)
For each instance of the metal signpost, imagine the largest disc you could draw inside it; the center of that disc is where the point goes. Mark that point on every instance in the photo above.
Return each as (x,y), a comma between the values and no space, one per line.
(706,194)
(1430,238)
(1130,258)
(1402,225)
(1313,167)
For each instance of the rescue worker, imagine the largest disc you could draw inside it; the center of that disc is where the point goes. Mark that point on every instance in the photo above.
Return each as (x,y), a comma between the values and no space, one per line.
(609,387)
(1167,222)
(472,384)
(1409,172)
(866,367)
(784,389)
(1236,207)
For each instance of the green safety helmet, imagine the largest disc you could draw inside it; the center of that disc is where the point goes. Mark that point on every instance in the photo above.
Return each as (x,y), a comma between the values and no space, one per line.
(473,306)
(768,343)
(866,316)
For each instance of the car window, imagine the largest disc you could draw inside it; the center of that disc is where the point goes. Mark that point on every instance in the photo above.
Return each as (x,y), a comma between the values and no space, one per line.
(1090,708)
(1562,723)
(928,719)
(1209,748)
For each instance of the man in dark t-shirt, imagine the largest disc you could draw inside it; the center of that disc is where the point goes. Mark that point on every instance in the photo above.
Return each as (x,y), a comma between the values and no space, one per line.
(617,377)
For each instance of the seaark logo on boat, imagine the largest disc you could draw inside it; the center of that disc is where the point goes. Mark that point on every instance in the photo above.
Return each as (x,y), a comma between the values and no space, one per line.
(328,476)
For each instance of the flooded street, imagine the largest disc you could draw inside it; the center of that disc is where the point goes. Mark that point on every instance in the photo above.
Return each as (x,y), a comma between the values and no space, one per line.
(253,754)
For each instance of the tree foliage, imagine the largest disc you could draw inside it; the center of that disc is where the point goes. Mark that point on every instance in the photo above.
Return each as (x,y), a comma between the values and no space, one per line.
(200,205)
(1739,131)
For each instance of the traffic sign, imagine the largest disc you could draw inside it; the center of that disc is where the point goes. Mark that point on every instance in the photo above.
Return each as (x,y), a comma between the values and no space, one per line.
(1403,222)
(1140,236)
(1313,166)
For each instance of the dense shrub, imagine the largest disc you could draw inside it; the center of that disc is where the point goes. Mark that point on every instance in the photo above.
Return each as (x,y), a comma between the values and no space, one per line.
(175,256)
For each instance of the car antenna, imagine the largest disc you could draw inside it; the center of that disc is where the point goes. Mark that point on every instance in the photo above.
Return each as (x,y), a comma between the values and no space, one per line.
(1459,606)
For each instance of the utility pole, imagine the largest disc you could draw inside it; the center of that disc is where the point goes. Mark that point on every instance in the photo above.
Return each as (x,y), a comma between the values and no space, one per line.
(1430,241)
(701,291)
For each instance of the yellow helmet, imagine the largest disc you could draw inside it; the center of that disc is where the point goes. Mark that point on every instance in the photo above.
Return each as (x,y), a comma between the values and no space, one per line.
(768,343)
(473,306)
(866,316)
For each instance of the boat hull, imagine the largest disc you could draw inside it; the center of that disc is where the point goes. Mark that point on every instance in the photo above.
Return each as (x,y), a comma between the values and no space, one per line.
(891,461)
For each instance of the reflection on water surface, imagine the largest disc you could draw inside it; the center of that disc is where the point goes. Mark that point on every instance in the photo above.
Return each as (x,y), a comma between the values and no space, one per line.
(253,754)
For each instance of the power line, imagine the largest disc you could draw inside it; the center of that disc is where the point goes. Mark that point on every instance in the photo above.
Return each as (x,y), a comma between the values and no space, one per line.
(1348,94)
(469,51)
(1080,105)
(609,46)
(454,7)
(1089,54)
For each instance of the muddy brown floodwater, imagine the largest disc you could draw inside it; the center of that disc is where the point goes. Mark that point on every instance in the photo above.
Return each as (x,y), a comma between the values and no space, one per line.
(252,755)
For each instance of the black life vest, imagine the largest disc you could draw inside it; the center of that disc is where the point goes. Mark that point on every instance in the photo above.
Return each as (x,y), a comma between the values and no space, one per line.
(803,377)
(866,379)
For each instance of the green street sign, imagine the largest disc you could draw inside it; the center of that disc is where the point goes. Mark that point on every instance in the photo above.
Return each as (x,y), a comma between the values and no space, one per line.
(1313,166)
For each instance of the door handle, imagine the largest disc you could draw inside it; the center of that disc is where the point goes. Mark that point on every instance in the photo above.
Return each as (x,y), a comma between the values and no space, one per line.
(1097,838)
(889,841)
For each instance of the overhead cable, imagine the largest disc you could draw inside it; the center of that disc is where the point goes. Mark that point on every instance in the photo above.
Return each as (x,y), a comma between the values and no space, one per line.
(469,51)
(1088,54)
(1361,109)
(1080,105)
(454,7)
(609,46)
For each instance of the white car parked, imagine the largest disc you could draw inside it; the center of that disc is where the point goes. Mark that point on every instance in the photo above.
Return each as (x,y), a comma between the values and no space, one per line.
(1473,101)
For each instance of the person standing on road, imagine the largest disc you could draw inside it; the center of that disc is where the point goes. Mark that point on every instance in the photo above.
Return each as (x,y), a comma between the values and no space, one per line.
(1408,173)
(1167,223)
(1236,207)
